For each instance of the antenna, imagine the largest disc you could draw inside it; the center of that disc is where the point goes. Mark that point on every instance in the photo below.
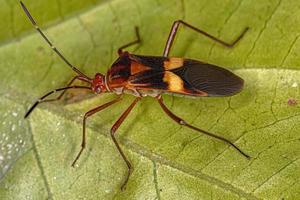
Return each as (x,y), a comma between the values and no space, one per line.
(50,44)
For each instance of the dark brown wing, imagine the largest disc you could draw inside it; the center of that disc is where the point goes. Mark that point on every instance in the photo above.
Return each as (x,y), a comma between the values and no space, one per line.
(184,76)
(211,79)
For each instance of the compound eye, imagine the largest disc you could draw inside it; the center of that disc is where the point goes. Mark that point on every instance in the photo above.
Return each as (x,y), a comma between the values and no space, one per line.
(98,89)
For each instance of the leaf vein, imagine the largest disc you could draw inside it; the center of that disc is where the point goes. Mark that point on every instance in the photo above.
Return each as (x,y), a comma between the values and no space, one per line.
(39,163)
(261,31)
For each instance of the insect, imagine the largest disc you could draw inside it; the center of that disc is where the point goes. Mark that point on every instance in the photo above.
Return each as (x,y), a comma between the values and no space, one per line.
(292,102)
(153,76)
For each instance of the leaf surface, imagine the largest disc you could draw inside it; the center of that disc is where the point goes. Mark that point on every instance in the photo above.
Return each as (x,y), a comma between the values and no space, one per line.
(170,162)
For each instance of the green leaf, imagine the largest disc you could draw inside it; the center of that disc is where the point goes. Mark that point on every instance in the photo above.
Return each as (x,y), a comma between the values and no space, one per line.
(170,162)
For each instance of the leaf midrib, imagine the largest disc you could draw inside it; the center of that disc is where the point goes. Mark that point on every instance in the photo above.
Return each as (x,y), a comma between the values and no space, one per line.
(140,150)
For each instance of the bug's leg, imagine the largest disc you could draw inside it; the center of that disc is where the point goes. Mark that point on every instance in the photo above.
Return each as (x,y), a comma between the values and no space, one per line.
(174,29)
(183,123)
(112,133)
(42,99)
(138,40)
(88,114)
(49,43)
(64,91)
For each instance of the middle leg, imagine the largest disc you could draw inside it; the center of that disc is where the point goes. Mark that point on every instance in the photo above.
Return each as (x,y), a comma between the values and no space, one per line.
(112,133)
(136,41)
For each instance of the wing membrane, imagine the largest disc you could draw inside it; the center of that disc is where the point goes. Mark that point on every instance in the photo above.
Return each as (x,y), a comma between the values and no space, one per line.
(211,79)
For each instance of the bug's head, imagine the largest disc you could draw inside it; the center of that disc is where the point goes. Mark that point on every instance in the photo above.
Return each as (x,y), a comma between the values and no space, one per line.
(98,85)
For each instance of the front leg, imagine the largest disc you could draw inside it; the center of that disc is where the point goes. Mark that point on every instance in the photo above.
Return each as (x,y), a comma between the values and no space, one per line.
(88,114)
(43,100)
